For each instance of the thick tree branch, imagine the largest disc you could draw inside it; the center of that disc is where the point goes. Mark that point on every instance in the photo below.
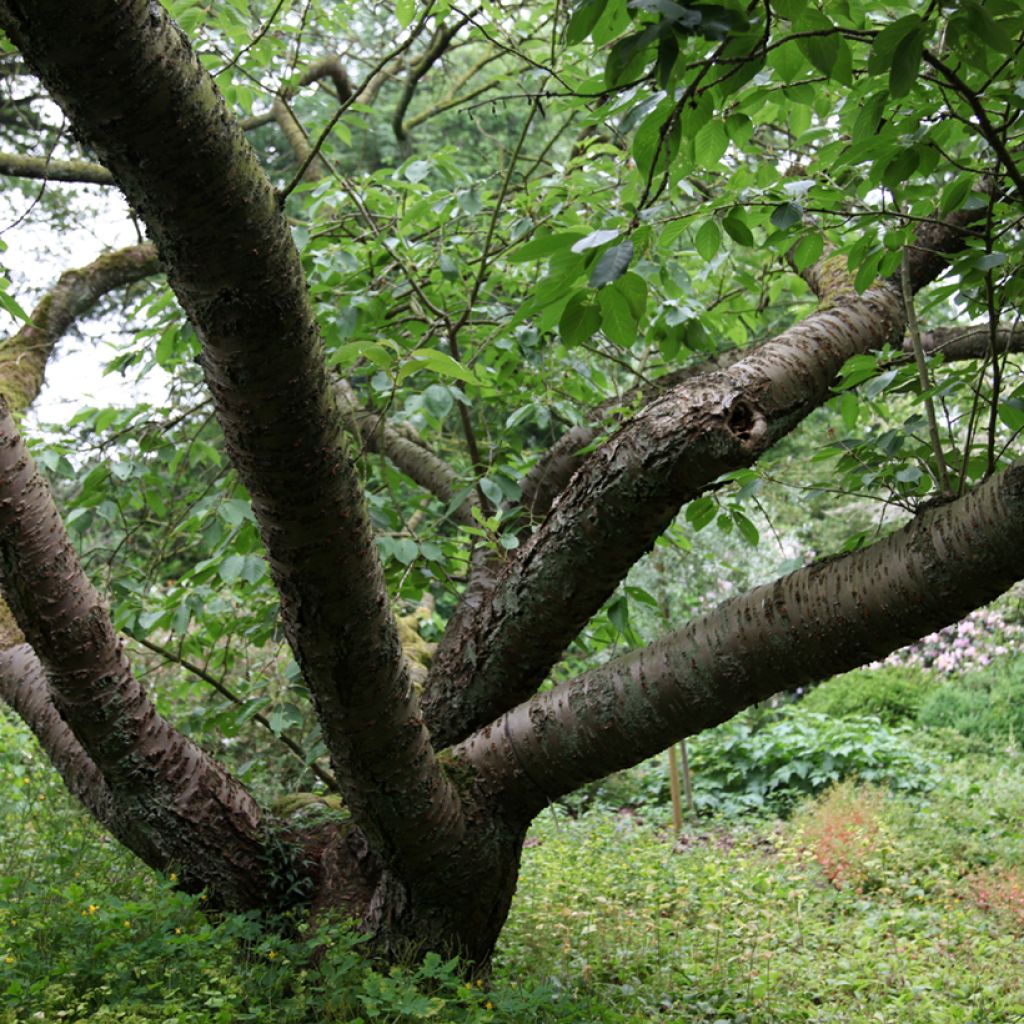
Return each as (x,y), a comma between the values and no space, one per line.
(187,169)
(827,618)
(457,686)
(24,355)
(160,783)
(281,111)
(84,171)
(626,494)
(970,342)
(23,685)
(439,42)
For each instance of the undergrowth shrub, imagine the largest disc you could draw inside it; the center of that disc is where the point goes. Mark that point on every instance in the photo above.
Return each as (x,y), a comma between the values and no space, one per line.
(766,763)
(1000,890)
(893,694)
(845,833)
(986,705)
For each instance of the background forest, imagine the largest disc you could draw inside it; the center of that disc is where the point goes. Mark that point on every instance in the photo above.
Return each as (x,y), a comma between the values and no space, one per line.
(522,227)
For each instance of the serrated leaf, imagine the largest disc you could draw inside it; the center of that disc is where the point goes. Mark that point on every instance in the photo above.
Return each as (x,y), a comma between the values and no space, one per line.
(580,320)
(747,529)
(877,385)
(618,613)
(438,400)
(439,362)
(808,251)
(701,512)
(708,240)
(617,319)
(612,264)
(405,550)
(547,245)
(405,11)
(954,194)
(884,47)
(849,408)
(583,19)
(710,143)
(989,260)
(230,569)
(492,491)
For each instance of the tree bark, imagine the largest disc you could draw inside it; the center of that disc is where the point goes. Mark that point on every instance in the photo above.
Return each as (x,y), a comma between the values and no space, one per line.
(156,120)
(624,497)
(173,803)
(16,165)
(805,627)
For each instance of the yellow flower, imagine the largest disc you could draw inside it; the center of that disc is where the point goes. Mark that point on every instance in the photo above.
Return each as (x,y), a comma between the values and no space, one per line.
(127,924)
(272,954)
(8,959)
(93,908)
(173,877)
(488,1005)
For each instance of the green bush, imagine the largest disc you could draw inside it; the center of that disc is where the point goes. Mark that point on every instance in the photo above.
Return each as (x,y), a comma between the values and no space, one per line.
(987,705)
(894,695)
(766,763)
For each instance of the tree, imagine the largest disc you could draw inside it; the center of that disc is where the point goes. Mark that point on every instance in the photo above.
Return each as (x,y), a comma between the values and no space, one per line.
(726,164)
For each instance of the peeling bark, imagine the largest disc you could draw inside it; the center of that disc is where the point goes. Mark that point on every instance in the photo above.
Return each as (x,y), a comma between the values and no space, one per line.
(805,627)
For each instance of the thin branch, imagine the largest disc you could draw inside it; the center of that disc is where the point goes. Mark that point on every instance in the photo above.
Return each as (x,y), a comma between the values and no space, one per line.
(42,168)
(200,673)
(924,382)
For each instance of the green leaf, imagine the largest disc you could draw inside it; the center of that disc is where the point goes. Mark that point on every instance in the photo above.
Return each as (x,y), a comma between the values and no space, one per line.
(617,319)
(747,529)
(596,239)
(492,491)
(701,512)
(823,50)
(905,63)
(989,260)
(786,215)
(708,240)
(405,550)
(438,400)
(546,245)
(954,194)
(405,10)
(808,251)
(231,568)
(710,144)
(440,362)
(618,613)
(580,320)
(884,47)
(612,264)
(737,229)
(584,18)
(849,409)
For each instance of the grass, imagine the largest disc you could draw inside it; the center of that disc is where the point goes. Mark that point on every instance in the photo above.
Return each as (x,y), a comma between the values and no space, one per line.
(862,907)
